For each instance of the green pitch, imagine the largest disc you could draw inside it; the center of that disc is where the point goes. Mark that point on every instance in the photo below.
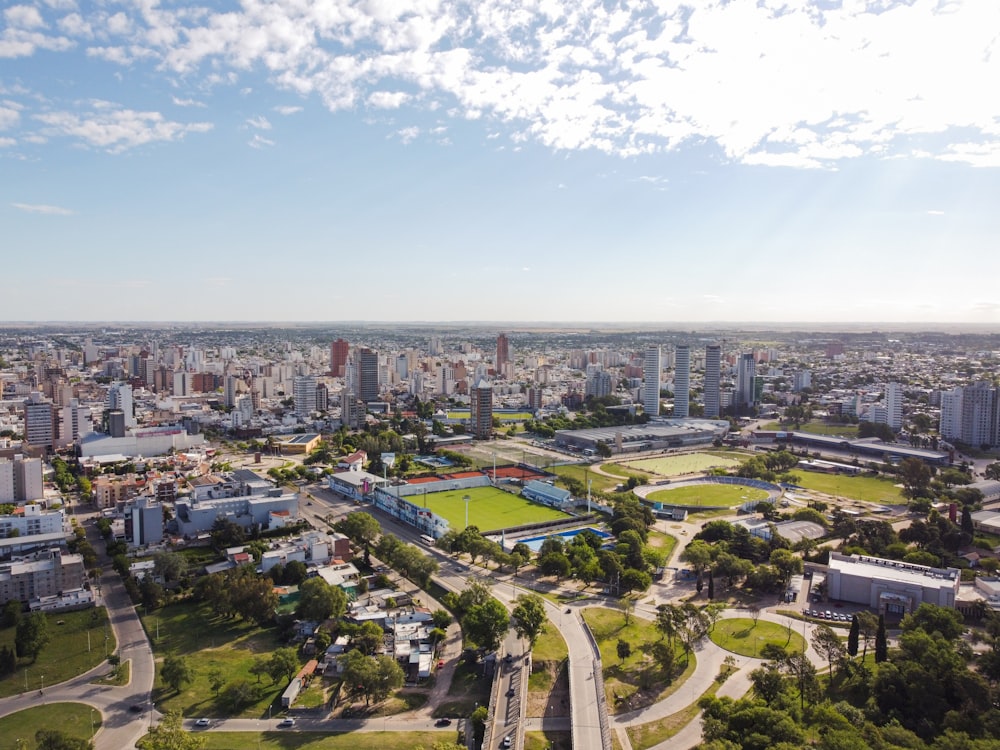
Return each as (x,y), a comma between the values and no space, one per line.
(489,508)
(686,463)
(708,495)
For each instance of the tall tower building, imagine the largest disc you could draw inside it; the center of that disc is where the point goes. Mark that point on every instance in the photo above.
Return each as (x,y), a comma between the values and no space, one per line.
(368,375)
(894,405)
(651,384)
(304,393)
(39,421)
(120,397)
(745,374)
(713,368)
(682,380)
(339,350)
(482,410)
(503,352)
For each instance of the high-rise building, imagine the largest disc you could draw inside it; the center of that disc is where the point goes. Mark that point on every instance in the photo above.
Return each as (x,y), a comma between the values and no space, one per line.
(682,380)
(894,405)
(481,421)
(713,368)
(969,415)
(368,375)
(339,350)
(120,397)
(39,421)
(651,384)
(503,352)
(599,383)
(21,480)
(230,389)
(746,373)
(304,394)
(534,399)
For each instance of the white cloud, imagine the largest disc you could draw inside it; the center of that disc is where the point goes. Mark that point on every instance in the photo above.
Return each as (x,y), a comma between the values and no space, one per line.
(388,99)
(407,135)
(259,141)
(935,212)
(10,115)
(260,123)
(41,208)
(187,102)
(7,142)
(287,110)
(110,127)
(802,84)
(24,17)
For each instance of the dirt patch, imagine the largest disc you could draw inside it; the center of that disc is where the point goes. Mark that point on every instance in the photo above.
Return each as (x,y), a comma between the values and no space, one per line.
(553,699)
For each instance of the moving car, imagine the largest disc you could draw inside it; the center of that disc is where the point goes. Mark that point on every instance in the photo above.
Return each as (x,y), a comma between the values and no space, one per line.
(286,723)
(202,723)
(442,723)
(506,741)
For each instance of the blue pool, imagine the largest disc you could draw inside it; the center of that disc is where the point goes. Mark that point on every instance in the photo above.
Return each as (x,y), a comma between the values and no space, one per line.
(535,542)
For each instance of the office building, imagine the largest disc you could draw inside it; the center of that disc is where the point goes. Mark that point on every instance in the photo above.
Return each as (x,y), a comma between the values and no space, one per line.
(969,415)
(503,352)
(481,422)
(339,351)
(367,375)
(651,384)
(39,421)
(682,381)
(304,394)
(746,374)
(713,371)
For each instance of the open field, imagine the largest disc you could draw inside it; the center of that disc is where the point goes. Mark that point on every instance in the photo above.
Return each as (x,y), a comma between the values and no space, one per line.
(707,495)
(815,428)
(741,636)
(72,718)
(624,471)
(548,740)
(279,740)
(685,463)
(67,653)
(517,416)
(583,474)
(636,681)
(868,489)
(210,642)
(489,508)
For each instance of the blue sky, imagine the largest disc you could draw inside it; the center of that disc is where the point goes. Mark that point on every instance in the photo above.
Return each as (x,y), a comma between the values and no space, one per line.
(556,160)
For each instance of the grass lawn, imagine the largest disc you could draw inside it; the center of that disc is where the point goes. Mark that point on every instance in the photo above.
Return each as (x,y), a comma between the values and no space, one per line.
(489,508)
(741,636)
(625,471)
(583,474)
(118,679)
(467,690)
(686,463)
(662,542)
(708,495)
(210,642)
(548,741)
(550,645)
(323,740)
(816,428)
(868,489)
(637,681)
(71,718)
(66,654)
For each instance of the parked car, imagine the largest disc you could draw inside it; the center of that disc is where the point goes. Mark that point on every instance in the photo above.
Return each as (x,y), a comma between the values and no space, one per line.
(442,723)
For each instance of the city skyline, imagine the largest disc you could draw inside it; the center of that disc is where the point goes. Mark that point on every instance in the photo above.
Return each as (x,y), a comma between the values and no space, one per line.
(586,162)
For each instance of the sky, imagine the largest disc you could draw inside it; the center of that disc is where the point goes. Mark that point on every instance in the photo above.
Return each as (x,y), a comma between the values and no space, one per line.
(500,160)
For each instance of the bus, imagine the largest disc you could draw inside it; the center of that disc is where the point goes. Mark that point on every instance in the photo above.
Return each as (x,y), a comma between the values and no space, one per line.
(427,539)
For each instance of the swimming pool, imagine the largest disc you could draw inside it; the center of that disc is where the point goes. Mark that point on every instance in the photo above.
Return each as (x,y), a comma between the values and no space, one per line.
(535,542)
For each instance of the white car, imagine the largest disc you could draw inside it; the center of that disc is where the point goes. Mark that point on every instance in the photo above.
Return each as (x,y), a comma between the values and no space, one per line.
(286,723)
(202,723)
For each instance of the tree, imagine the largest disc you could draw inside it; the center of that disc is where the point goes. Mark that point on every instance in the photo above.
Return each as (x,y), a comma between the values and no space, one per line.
(485,624)
(916,477)
(31,635)
(828,645)
(934,619)
(881,642)
(170,566)
(368,637)
(624,649)
(240,694)
(216,679)
(11,613)
(787,562)
(441,618)
(320,601)
(992,471)
(852,637)
(259,667)
(53,739)
(284,663)
(169,734)
(360,527)
(529,617)
(664,655)
(176,672)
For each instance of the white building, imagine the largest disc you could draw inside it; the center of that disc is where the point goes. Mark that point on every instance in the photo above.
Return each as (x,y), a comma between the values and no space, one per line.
(21,480)
(32,522)
(890,587)
(304,393)
(713,369)
(894,405)
(651,381)
(682,381)
(120,397)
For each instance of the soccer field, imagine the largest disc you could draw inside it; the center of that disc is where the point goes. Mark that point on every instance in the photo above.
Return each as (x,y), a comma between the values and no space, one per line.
(489,509)
(687,463)
(708,495)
